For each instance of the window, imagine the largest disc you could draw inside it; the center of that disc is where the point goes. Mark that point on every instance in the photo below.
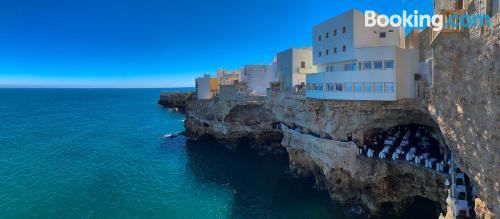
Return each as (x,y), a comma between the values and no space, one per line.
(302,64)
(367,65)
(344,29)
(335,50)
(319,87)
(350,67)
(319,37)
(338,87)
(329,87)
(344,48)
(389,87)
(390,31)
(335,32)
(358,87)
(382,35)
(308,86)
(326,52)
(389,64)
(368,87)
(319,53)
(326,35)
(379,87)
(348,87)
(377,65)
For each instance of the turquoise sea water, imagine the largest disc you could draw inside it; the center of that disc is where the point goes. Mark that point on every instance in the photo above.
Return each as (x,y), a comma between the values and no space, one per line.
(100,153)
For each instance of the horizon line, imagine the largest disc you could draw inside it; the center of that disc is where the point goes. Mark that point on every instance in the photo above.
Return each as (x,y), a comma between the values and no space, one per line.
(13,87)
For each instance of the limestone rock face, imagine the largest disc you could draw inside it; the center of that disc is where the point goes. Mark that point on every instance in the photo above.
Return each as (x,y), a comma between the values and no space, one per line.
(174,99)
(336,118)
(232,121)
(350,178)
(465,101)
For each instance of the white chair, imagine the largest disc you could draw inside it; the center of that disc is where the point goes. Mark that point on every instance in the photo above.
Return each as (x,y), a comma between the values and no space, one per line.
(395,156)
(386,149)
(461,208)
(440,166)
(381,155)
(388,142)
(429,162)
(460,178)
(460,189)
(418,160)
(409,156)
(370,153)
(425,155)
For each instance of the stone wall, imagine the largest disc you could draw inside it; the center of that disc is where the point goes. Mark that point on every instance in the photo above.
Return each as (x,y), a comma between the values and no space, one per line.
(465,101)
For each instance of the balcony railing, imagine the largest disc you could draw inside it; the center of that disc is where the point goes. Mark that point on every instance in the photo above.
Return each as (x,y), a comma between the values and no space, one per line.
(449,29)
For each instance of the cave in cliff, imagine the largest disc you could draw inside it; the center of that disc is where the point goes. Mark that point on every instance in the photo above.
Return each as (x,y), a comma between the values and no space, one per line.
(423,138)
(423,146)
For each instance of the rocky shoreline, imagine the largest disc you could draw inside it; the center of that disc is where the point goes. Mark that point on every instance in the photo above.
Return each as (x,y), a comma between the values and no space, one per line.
(349,179)
(324,153)
(174,99)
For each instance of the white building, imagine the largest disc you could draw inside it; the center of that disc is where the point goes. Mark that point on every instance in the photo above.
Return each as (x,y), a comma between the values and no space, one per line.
(292,66)
(355,62)
(258,78)
(206,87)
(224,77)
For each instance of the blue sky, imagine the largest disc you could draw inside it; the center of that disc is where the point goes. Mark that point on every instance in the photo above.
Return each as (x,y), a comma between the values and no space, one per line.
(155,43)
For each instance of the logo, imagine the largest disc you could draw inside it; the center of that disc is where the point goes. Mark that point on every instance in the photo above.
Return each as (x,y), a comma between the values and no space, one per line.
(415,20)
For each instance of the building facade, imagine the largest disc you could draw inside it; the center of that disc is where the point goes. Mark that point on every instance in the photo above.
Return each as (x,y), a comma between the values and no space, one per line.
(355,62)
(206,87)
(257,78)
(292,66)
(225,77)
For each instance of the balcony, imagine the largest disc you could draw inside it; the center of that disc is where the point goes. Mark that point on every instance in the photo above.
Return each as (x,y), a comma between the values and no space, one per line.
(448,29)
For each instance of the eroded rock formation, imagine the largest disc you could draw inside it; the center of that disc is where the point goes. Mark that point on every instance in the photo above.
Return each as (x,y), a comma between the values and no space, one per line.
(176,100)
(351,178)
(465,102)
(232,121)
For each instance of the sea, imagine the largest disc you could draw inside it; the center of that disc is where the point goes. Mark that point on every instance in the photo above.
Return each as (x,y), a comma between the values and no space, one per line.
(109,153)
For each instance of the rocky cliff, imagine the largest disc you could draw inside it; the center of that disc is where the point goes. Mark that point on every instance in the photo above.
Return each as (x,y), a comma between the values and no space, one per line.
(175,99)
(336,119)
(465,101)
(337,168)
(352,178)
(347,177)
(234,121)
